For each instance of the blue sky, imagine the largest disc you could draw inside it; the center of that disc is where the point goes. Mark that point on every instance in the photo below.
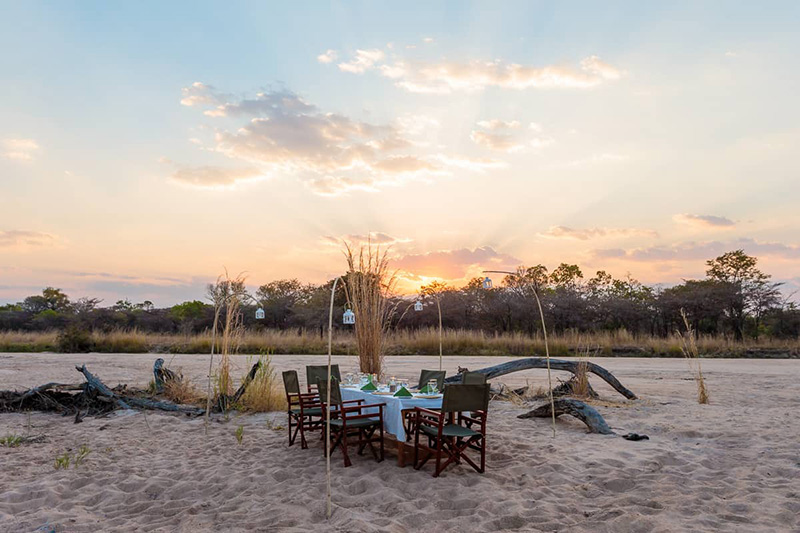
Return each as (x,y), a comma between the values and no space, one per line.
(636,137)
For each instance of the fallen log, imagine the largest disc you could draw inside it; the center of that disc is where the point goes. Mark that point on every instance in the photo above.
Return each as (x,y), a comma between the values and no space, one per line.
(224,402)
(565,406)
(555,364)
(127,401)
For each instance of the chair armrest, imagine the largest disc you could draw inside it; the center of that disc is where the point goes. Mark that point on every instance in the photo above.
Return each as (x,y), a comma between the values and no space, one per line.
(353,401)
(430,412)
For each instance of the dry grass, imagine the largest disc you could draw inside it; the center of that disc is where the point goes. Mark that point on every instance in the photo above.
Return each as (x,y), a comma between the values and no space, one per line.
(692,355)
(369,282)
(264,393)
(182,391)
(423,341)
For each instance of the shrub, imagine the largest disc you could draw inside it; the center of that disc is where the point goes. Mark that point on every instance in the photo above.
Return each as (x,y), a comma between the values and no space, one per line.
(74,339)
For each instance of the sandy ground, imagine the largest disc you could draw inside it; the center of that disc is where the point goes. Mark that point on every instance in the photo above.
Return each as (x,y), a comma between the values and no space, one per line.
(733,465)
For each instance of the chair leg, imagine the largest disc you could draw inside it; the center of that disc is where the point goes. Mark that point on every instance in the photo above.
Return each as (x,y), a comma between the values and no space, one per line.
(347,461)
(438,457)
(381,435)
(303,443)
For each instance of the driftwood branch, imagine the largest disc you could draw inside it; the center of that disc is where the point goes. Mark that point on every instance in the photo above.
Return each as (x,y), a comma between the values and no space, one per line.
(565,406)
(163,375)
(556,364)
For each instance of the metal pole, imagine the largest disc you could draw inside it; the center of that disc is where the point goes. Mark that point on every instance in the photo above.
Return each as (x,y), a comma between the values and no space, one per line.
(440,331)
(546,347)
(328,406)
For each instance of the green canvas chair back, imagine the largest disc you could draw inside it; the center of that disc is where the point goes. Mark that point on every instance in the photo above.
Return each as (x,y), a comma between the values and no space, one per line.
(473,378)
(290,382)
(426,375)
(459,398)
(336,393)
(315,372)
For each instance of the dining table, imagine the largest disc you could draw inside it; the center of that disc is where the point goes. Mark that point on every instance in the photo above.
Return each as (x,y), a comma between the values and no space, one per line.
(393,409)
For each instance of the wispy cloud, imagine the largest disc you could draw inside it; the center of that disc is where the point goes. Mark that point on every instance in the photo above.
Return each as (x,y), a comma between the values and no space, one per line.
(585,234)
(374,237)
(20,239)
(363,61)
(443,77)
(332,153)
(704,221)
(19,149)
(505,136)
(692,251)
(328,57)
(454,264)
(214,177)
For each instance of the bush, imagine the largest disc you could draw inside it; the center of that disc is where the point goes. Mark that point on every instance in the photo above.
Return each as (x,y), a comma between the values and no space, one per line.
(73,340)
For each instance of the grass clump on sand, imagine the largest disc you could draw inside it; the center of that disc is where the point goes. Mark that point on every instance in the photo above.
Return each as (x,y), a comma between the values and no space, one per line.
(264,393)
(692,355)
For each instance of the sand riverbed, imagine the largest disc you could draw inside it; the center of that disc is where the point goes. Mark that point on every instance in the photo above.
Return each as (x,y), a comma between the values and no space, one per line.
(733,465)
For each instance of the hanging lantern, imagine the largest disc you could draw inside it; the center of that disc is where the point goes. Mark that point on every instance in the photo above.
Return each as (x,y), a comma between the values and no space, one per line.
(349,317)
(260,314)
(487,282)
(418,306)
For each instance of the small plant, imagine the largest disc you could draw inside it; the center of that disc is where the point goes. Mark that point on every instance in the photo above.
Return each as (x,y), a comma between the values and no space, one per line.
(62,461)
(11,441)
(83,451)
(263,393)
(692,355)
(65,459)
(239,434)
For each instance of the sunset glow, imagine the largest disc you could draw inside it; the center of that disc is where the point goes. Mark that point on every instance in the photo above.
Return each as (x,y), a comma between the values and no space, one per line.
(142,151)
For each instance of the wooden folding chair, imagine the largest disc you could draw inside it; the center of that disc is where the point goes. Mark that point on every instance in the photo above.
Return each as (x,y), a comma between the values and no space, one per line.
(316,372)
(446,431)
(351,421)
(304,409)
(424,377)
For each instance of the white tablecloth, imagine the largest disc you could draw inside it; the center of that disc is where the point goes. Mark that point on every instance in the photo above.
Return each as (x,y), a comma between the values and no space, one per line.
(392,411)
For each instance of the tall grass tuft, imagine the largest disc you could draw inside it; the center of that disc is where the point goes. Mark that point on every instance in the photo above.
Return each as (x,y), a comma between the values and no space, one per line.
(228,296)
(692,355)
(369,282)
(264,392)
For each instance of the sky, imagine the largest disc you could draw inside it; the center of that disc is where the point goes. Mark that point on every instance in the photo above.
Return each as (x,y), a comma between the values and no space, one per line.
(147,146)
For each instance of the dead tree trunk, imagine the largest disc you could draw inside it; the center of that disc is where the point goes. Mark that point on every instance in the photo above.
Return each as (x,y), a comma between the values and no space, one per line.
(555,364)
(564,406)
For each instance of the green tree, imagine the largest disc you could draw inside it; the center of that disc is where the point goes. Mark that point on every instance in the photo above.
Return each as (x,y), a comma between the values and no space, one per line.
(750,289)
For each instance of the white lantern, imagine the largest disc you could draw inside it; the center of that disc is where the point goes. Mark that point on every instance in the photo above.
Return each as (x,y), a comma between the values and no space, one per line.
(418,306)
(260,314)
(349,317)
(487,282)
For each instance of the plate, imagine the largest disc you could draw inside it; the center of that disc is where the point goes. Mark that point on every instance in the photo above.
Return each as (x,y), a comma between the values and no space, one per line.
(428,396)
(382,393)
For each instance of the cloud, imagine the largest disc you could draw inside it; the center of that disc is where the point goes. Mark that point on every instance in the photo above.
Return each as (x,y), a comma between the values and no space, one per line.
(454,264)
(585,234)
(374,237)
(328,57)
(363,61)
(11,239)
(19,149)
(199,93)
(496,124)
(208,176)
(427,40)
(704,221)
(444,77)
(693,251)
(332,154)
(495,141)
(503,136)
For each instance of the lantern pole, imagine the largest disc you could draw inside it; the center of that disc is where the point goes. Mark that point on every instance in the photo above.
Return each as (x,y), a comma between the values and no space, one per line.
(546,347)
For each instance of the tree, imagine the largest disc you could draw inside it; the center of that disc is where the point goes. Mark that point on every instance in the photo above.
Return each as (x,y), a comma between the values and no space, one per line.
(750,288)
(279,298)
(51,299)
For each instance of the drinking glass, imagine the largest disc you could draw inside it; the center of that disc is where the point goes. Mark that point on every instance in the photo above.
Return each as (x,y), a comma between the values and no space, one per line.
(432,386)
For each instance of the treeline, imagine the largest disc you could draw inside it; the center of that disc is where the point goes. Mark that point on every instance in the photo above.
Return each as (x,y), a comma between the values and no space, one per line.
(735,300)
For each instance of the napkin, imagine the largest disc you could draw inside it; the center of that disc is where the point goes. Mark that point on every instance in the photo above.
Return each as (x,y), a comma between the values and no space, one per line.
(403,393)
(369,386)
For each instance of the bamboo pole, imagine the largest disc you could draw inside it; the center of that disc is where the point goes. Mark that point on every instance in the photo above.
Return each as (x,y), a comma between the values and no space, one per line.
(328,406)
